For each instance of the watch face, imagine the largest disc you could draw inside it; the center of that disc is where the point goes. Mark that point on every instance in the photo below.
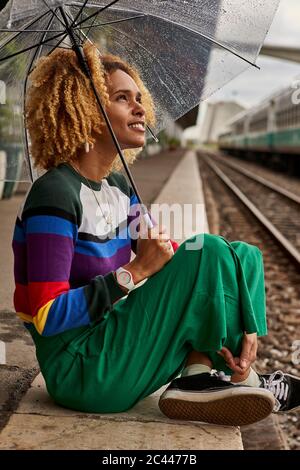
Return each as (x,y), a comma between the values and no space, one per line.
(124,278)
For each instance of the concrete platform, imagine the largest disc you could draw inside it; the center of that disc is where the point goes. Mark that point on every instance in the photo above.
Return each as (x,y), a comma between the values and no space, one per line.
(38,423)
(184,188)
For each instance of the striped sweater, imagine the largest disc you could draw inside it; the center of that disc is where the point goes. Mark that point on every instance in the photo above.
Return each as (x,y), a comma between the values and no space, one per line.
(64,255)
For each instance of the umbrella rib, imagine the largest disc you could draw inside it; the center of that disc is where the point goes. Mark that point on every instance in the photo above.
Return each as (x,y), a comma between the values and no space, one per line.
(90,26)
(55,46)
(30,30)
(61,47)
(205,36)
(95,16)
(31,23)
(79,31)
(36,54)
(111,22)
(57,15)
(54,12)
(97,12)
(81,17)
(78,14)
(83,34)
(32,47)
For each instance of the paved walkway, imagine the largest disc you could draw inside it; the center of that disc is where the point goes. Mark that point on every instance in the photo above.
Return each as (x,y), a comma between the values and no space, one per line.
(162,179)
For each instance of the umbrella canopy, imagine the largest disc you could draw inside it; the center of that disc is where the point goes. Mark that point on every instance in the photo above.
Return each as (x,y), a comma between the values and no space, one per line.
(184,50)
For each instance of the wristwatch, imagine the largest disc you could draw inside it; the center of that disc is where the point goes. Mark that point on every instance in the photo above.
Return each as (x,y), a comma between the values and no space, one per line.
(124,278)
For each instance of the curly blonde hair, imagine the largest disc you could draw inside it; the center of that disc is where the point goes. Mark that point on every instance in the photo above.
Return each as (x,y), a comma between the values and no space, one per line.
(61,109)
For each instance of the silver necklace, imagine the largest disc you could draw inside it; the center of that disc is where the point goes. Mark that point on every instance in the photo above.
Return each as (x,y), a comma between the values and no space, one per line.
(108,217)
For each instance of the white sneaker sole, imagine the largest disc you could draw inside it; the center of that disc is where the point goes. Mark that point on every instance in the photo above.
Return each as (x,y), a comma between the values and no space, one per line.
(238,406)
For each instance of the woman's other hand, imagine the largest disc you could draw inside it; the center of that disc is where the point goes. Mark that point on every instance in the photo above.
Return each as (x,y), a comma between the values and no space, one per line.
(241,364)
(154,250)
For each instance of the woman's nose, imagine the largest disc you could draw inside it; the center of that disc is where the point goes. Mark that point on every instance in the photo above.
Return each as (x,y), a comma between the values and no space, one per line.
(138,109)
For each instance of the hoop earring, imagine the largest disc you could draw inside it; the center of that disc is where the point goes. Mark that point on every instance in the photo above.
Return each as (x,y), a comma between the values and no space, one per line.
(87,147)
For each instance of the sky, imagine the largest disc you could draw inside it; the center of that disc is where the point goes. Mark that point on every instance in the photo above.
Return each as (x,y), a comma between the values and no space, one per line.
(274,73)
(253,85)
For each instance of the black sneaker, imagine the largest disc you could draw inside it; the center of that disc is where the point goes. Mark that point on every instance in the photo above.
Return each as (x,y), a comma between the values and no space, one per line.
(285,388)
(205,397)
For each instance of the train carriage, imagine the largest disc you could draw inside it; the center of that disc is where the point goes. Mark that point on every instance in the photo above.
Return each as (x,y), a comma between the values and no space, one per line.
(269,132)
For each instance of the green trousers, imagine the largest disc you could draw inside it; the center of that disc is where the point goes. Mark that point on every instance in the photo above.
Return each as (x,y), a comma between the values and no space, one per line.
(202,299)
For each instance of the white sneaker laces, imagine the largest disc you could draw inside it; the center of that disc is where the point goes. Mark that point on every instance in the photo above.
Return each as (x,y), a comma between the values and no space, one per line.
(278,387)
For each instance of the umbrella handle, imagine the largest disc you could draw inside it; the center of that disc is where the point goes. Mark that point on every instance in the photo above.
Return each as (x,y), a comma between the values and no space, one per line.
(150,225)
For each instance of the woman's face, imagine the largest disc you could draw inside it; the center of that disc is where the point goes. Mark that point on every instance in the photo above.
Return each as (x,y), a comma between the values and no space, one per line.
(125,111)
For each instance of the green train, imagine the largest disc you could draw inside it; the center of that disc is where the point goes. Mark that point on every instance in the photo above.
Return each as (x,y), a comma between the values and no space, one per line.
(268,133)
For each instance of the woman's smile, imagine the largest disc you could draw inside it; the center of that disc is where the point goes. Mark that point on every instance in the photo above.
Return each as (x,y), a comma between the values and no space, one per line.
(137,126)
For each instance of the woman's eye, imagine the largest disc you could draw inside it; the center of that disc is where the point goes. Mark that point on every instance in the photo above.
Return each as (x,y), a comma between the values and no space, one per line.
(122,97)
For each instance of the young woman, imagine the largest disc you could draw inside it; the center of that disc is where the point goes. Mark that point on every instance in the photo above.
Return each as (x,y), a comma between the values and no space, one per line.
(98,349)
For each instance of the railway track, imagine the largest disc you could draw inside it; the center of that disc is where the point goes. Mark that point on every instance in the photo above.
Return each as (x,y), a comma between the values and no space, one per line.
(276,208)
(283,180)
(229,217)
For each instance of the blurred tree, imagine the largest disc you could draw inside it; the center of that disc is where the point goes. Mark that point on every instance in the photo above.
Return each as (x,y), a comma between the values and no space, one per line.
(9,125)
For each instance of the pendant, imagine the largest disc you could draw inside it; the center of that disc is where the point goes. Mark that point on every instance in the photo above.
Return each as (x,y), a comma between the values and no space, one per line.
(108,220)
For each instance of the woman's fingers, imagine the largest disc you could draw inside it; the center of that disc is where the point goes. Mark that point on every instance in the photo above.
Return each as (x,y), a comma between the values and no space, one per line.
(228,357)
(249,348)
(232,362)
(247,356)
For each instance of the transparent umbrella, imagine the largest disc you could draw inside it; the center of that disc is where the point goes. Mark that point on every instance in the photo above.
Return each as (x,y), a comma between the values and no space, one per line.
(184,51)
